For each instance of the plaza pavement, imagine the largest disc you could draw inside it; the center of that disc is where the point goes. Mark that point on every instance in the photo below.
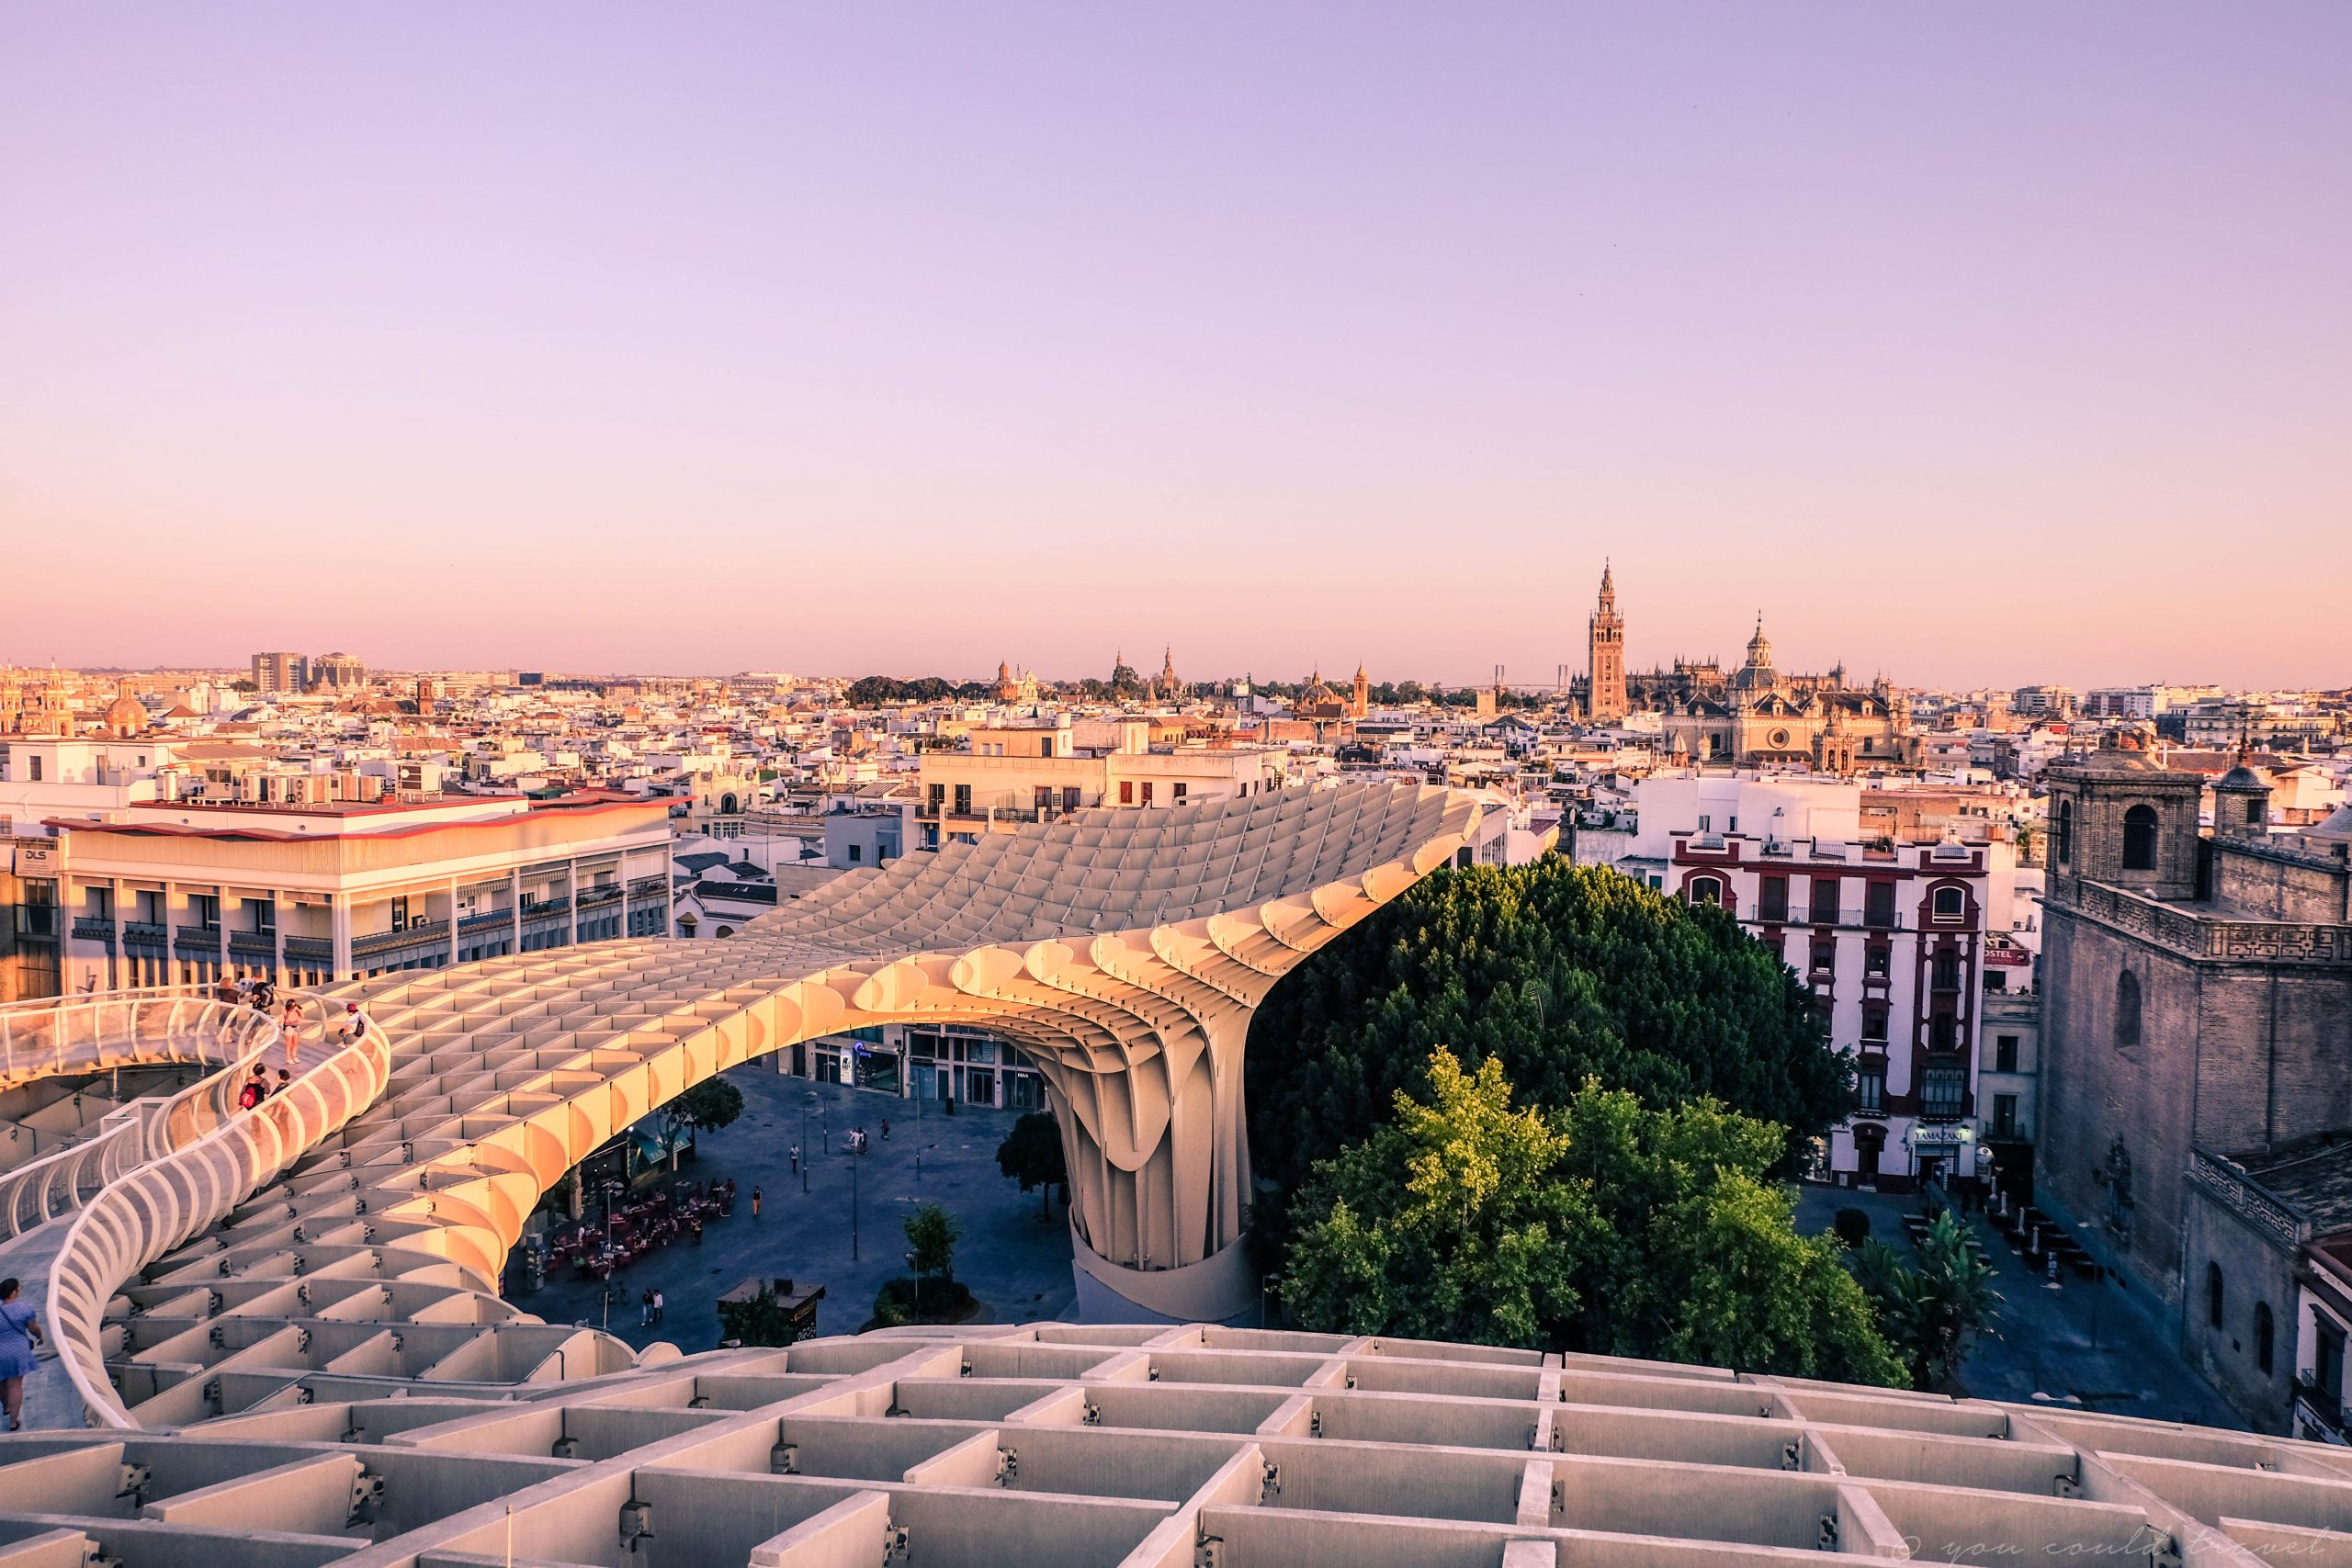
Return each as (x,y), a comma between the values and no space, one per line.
(1018,1267)
(2103,1346)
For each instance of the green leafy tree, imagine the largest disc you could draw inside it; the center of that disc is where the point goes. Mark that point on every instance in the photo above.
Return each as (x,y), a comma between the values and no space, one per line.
(932,1233)
(762,1320)
(1933,1313)
(708,1106)
(1560,971)
(1032,1154)
(1600,1226)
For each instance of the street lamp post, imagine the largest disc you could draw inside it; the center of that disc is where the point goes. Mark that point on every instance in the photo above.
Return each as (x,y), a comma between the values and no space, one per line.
(807,1098)
(853,1208)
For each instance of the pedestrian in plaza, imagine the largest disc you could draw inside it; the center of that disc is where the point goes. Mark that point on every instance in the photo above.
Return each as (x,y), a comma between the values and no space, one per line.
(886,1129)
(755,1202)
(645,1310)
(20,1336)
(796,1160)
(657,1305)
(289,1027)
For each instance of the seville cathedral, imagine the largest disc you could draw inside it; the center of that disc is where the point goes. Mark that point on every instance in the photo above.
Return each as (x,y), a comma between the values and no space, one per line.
(1754,716)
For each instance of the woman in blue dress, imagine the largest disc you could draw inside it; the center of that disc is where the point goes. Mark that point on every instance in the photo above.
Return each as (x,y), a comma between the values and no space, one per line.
(20,1336)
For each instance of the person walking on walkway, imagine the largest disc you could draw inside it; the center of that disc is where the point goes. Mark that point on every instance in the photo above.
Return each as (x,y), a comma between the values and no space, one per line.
(755,1202)
(290,1028)
(20,1336)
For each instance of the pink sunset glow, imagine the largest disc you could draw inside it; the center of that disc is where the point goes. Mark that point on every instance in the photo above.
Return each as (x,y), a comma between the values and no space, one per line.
(1988,343)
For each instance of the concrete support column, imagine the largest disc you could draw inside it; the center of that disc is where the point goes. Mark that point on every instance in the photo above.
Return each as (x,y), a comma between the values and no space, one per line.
(220,921)
(339,924)
(277,908)
(453,920)
(119,961)
(171,933)
(515,905)
(572,890)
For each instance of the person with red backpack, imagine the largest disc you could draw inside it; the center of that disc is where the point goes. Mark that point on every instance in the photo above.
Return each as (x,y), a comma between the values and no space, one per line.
(256,1088)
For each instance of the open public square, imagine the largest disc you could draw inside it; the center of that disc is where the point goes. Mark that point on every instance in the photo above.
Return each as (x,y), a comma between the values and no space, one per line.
(1017,1268)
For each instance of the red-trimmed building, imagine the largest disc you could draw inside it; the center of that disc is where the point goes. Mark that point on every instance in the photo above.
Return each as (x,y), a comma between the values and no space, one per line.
(1890,940)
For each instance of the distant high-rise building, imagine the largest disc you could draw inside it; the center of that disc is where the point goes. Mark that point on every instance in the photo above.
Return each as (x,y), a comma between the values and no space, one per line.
(2046,702)
(276,673)
(1605,699)
(338,673)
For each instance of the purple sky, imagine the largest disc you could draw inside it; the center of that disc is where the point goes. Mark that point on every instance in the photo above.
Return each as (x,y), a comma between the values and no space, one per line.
(1978,343)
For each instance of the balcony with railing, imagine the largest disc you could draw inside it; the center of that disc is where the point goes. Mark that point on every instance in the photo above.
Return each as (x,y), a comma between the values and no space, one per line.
(93,928)
(143,933)
(2322,1407)
(202,940)
(416,933)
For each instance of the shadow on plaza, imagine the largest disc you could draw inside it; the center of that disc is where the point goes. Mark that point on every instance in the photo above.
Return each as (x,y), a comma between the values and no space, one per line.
(2104,1348)
(1017,1268)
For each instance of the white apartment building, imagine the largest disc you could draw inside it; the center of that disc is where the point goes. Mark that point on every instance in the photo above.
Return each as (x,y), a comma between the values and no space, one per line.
(1034,773)
(1889,939)
(181,891)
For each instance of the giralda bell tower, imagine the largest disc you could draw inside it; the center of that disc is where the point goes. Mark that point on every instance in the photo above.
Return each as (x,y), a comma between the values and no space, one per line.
(1605,692)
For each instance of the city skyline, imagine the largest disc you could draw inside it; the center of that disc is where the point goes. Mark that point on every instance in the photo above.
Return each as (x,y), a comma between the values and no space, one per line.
(1982,349)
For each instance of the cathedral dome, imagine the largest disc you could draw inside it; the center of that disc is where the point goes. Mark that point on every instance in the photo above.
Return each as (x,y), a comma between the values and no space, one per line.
(126,715)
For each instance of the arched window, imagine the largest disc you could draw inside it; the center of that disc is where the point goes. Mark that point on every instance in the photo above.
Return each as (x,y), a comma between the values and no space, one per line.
(1706,890)
(2126,1011)
(2213,1302)
(1951,904)
(2140,839)
(2065,832)
(2262,1336)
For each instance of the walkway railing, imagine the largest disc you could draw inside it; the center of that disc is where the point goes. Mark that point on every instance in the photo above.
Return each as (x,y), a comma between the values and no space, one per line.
(92,1033)
(64,1180)
(164,1169)
(96,1033)
(167,1202)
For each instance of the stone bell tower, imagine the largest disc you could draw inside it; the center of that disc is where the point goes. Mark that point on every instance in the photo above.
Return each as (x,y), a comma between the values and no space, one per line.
(1605,694)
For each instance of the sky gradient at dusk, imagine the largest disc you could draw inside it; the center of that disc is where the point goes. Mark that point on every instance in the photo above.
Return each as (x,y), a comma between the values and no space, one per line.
(1987,343)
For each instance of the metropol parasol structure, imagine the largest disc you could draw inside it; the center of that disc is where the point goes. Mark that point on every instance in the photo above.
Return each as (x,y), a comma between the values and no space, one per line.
(285,1330)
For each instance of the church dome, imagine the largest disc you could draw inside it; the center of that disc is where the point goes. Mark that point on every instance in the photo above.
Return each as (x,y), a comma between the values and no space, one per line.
(126,715)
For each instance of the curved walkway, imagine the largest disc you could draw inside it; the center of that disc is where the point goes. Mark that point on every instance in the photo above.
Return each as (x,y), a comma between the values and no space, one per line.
(1123,950)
